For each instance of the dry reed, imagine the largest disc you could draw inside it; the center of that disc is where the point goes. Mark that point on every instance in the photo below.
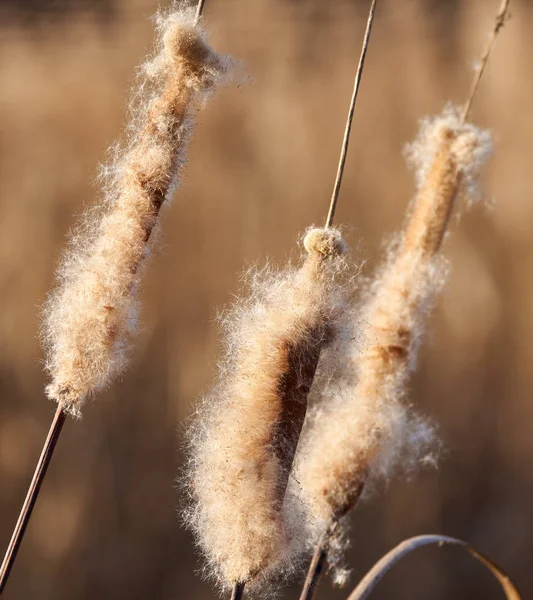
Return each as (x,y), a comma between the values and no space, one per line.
(246,434)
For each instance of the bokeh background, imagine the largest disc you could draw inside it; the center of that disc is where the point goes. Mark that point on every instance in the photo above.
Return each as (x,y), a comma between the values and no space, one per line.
(261,170)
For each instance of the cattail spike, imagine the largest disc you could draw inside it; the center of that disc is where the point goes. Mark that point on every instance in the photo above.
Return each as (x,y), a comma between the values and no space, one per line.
(364,429)
(244,444)
(91,315)
(90,319)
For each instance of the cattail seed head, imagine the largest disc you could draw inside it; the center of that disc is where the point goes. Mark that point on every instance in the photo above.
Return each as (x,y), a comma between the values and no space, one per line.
(246,434)
(363,427)
(91,316)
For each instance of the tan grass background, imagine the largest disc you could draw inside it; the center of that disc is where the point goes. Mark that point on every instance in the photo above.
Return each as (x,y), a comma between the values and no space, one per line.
(261,170)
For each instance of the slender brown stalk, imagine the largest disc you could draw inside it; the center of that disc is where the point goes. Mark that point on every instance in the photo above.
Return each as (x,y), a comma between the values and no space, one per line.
(349,120)
(238,591)
(316,569)
(389,560)
(31,497)
(501,17)
(320,556)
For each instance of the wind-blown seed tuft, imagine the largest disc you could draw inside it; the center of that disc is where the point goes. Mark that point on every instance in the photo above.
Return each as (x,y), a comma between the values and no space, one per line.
(91,316)
(246,432)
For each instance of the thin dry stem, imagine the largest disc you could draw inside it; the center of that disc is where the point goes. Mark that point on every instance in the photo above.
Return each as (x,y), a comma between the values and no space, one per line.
(386,562)
(315,571)
(349,120)
(501,17)
(199,9)
(32,495)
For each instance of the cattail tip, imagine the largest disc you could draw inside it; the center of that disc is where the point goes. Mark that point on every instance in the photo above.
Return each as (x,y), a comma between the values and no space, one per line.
(183,42)
(326,242)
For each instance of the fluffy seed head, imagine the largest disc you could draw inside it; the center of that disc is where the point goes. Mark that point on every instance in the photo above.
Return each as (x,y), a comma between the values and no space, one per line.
(247,430)
(362,427)
(91,316)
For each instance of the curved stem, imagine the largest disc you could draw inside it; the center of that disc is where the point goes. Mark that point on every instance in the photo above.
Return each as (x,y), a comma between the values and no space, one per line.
(386,562)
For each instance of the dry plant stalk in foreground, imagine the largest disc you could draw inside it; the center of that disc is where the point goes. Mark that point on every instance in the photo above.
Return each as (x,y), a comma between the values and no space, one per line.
(90,318)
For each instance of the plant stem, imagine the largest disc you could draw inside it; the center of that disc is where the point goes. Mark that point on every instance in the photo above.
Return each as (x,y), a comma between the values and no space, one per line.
(320,556)
(314,574)
(349,120)
(33,493)
(501,17)
(238,591)
(199,9)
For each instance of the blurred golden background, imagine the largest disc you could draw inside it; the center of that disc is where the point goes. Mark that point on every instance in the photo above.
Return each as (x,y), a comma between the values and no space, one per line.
(261,169)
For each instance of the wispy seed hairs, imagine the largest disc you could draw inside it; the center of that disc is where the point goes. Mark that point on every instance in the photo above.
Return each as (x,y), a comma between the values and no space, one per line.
(248,428)
(91,316)
(363,427)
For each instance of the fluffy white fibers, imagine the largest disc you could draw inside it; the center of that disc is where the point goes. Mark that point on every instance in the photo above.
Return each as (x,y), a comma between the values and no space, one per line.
(248,427)
(362,426)
(90,317)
